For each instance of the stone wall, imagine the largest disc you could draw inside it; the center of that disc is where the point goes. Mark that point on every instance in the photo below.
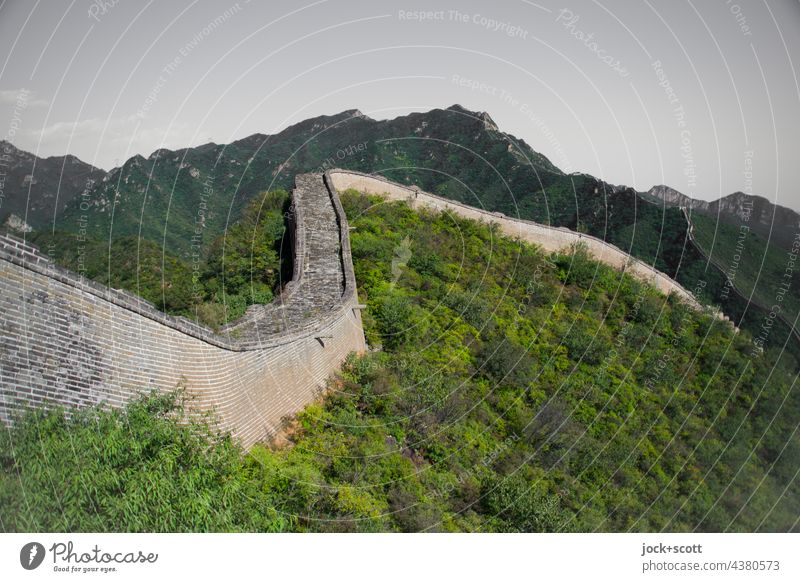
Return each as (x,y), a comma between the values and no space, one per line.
(67,340)
(549,238)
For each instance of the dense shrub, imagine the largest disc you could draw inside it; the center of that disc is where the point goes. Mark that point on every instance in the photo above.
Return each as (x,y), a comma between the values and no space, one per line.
(152,467)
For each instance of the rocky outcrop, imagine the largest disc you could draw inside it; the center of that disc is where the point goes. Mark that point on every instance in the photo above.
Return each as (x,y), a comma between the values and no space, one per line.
(672,197)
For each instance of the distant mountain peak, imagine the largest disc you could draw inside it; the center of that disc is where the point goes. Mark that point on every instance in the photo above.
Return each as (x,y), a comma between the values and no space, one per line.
(136,160)
(355,113)
(9,148)
(314,124)
(39,188)
(751,198)
(159,153)
(460,109)
(488,122)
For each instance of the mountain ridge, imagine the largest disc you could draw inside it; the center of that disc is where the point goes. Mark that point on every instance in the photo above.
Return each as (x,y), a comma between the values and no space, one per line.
(661,192)
(243,167)
(35,190)
(774,222)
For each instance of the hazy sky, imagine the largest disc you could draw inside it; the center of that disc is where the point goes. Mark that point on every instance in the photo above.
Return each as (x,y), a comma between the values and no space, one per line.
(702,96)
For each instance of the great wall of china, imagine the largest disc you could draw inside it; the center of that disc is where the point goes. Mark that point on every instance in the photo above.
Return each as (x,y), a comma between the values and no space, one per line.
(70,341)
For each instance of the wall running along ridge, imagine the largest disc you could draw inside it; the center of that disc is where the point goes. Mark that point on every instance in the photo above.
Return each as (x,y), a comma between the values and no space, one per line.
(550,238)
(69,341)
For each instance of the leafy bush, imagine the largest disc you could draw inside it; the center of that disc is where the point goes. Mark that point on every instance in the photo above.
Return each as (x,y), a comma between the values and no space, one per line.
(522,507)
(248,254)
(150,468)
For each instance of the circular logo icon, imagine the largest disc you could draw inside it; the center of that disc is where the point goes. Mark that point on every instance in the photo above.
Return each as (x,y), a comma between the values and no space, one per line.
(31,555)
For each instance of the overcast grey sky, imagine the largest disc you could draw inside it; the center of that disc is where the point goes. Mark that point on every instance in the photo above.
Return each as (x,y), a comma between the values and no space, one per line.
(690,94)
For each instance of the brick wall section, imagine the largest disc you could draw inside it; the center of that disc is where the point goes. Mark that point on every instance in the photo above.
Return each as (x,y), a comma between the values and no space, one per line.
(70,341)
(549,238)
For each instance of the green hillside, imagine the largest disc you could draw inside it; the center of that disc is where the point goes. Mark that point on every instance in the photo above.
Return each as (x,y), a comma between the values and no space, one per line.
(513,391)
(771,275)
(37,190)
(166,195)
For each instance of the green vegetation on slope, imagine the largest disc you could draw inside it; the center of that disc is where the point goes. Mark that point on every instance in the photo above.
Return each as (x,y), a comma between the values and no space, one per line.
(247,263)
(159,198)
(514,391)
(150,468)
(135,265)
(38,189)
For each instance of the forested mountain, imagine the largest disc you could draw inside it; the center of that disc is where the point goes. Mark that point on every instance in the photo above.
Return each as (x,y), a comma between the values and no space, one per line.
(755,245)
(171,196)
(164,196)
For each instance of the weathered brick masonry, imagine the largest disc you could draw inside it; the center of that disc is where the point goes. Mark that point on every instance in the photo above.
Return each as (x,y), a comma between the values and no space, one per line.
(71,341)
